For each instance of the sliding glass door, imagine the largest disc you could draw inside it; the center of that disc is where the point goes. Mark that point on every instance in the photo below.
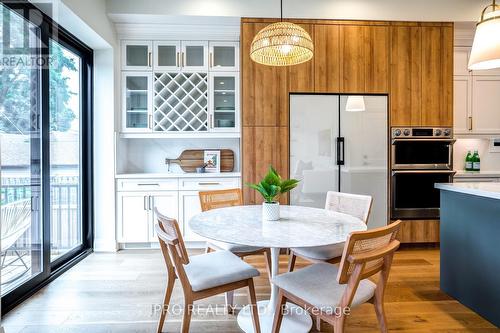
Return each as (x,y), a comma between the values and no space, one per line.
(45,151)
(65,190)
(20,155)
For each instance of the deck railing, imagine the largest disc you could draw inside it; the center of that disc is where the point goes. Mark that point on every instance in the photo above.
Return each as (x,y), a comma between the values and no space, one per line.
(65,225)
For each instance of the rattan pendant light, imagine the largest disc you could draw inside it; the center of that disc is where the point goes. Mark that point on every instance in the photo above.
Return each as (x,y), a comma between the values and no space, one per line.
(281,44)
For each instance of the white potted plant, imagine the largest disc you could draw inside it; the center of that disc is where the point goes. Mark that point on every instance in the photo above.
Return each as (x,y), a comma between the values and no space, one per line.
(271,187)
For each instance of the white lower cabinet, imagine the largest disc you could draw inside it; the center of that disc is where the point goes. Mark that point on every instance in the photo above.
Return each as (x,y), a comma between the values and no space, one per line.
(167,204)
(134,217)
(176,198)
(189,205)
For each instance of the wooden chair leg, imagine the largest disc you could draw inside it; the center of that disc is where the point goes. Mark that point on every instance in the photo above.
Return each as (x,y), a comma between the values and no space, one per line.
(166,301)
(186,318)
(254,307)
(378,303)
(338,324)
(267,254)
(278,312)
(291,261)
(230,301)
(318,324)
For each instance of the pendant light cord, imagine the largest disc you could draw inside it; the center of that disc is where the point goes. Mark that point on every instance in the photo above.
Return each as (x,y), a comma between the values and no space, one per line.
(281,9)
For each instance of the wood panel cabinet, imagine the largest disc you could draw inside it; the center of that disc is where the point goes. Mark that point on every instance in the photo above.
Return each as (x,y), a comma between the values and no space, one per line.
(437,76)
(326,58)
(263,146)
(301,77)
(364,63)
(264,88)
(421,76)
(406,78)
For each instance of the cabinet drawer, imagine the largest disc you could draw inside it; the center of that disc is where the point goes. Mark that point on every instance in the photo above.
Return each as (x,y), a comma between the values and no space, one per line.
(147,184)
(200,184)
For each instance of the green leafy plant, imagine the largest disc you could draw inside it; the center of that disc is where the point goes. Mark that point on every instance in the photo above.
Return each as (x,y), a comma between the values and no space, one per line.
(272,185)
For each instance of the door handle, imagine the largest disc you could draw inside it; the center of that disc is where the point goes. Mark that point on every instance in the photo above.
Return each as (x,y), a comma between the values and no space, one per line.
(340,151)
(211,60)
(145,204)
(151,202)
(149,59)
(183,59)
(148,184)
(208,183)
(177,62)
(470,123)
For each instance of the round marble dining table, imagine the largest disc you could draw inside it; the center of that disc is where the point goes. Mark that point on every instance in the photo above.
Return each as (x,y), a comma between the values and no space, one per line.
(298,227)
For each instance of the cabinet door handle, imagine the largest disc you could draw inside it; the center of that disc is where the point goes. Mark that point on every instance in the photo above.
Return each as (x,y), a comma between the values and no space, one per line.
(210,121)
(148,184)
(183,59)
(150,122)
(470,123)
(208,183)
(145,204)
(149,59)
(177,60)
(151,202)
(211,60)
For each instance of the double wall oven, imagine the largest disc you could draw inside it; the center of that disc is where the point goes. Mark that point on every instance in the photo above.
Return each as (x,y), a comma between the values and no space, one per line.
(420,158)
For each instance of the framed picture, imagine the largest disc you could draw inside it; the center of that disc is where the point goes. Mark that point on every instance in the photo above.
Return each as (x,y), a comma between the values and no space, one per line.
(211,159)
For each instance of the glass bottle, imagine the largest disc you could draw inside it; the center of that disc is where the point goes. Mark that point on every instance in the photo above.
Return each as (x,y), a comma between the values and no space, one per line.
(476,161)
(468,161)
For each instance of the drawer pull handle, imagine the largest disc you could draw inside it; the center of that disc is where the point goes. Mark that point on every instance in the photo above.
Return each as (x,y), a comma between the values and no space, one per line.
(208,183)
(149,184)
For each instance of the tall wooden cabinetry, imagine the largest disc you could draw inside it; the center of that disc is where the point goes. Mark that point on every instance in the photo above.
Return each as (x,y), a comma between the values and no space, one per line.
(421,75)
(412,62)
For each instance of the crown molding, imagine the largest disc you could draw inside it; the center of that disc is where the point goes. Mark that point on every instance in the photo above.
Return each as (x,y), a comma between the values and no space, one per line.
(464,33)
(151,31)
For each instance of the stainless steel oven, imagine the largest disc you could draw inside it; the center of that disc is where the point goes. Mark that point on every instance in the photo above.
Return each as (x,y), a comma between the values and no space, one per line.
(420,148)
(413,193)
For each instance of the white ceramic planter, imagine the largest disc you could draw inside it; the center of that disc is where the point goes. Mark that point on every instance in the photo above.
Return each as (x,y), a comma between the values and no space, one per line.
(271,211)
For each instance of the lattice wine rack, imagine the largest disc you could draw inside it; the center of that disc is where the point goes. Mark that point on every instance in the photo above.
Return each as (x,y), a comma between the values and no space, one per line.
(180,102)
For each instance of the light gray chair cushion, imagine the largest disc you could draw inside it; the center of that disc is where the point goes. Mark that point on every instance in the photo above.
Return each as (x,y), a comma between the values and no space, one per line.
(317,284)
(215,269)
(325,252)
(232,247)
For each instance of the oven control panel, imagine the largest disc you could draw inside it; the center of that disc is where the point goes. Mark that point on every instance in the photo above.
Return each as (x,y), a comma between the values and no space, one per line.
(421,132)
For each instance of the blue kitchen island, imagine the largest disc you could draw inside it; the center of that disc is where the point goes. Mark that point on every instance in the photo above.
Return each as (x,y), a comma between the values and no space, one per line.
(470,246)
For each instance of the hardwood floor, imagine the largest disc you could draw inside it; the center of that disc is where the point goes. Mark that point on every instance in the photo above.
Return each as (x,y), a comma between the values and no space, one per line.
(118,292)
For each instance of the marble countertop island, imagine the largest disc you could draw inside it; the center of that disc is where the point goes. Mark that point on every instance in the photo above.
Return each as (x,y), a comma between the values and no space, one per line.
(486,189)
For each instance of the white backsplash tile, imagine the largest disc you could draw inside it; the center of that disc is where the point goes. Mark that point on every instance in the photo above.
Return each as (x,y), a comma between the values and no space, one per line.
(489,161)
(148,155)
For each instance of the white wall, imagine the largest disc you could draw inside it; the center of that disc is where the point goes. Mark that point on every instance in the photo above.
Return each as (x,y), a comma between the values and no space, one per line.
(421,10)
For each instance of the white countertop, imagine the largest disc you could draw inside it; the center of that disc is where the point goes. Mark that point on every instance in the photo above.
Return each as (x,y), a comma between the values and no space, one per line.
(480,174)
(177,175)
(487,189)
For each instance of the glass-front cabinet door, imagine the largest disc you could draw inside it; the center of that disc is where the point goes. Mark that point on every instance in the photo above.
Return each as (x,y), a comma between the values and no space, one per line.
(224,56)
(136,55)
(136,102)
(167,55)
(224,102)
(194,56)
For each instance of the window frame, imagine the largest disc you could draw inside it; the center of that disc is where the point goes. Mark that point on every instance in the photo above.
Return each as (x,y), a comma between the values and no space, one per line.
(49,29)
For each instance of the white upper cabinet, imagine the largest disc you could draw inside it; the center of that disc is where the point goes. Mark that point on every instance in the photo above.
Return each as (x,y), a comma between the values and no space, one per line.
(224,99)
(194,56)
(136,102)
(224,56)
(486,105)
(167,55)
(462,103)
(461,60)
(136,55)
(476,98)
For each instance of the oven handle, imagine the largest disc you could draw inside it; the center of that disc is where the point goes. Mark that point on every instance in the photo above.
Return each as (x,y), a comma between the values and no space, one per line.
(451,172)
(450,141)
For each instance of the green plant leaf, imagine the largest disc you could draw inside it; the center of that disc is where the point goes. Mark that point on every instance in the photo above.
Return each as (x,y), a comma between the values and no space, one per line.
(272,177)
(288,185)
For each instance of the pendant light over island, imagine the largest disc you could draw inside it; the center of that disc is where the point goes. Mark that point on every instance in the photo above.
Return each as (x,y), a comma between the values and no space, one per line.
(485,53)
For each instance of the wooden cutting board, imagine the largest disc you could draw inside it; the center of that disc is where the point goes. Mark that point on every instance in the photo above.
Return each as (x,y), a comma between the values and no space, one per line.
(191,159)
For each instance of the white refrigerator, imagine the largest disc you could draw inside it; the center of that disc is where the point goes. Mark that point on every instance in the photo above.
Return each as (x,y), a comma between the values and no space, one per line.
(334,149)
